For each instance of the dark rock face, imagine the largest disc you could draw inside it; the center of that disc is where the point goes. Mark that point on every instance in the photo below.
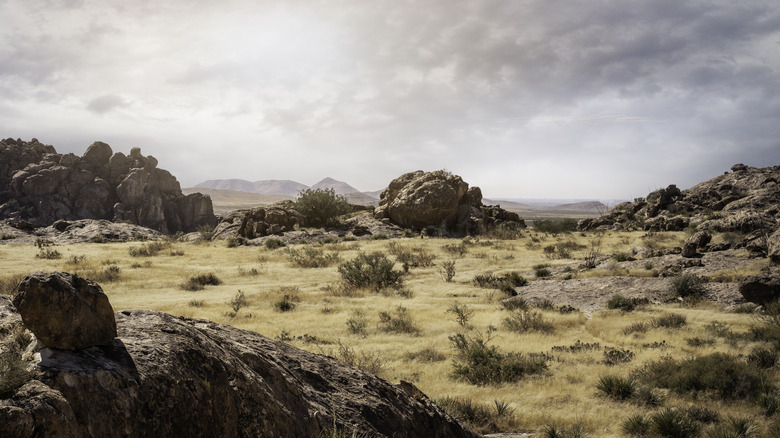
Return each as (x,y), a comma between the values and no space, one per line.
(418,200)
(761,289)
(42,186)
(173,376)
(773,247)
(65,311)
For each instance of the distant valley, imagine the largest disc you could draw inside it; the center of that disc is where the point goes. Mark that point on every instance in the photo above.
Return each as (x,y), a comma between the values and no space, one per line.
(233,194)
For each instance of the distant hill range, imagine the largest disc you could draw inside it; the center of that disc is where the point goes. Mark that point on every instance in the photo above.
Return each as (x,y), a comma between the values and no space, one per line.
(232,194)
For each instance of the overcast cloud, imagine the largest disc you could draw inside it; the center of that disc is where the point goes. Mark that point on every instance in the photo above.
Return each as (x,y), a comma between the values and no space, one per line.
(524,98)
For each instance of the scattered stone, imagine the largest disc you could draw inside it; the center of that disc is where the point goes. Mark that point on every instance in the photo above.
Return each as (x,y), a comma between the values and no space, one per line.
(65,311)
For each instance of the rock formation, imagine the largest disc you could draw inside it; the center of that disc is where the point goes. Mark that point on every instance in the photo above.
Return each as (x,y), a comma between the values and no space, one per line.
(258,222)
(418,200)
(174,376)
(745,200)
(41,186)
(761,289)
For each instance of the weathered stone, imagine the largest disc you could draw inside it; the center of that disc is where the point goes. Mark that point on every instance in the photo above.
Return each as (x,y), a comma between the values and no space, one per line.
(689,249)
(96,155)
(773,247)
(174,376)
(65,311)
(761,289)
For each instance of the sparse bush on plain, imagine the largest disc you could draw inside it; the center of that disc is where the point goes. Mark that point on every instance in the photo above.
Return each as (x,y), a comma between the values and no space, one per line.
(690,287)
(371,271)
(274,243)
(447,270)
(505,283)
(398,321)
(673,423)
(321,207)
(311,257)
(199,282)
(617,388)
(481,364)
(522,321)
(482,418)
(555,226)
(462,312)
(147,249)
(368,362)
(426,355)
(357,323)
(626,304)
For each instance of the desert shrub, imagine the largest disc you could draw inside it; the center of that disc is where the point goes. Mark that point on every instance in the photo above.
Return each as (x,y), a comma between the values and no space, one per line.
(460,249)
(357,323)
(673,423)
(108,274)
(505,283)
(671,321)
(447,270)
(288,300)
(505,231)
(462,312)
(48,254)
(617,388)
(481,364)
(555,226)
(622,257)
(205,232)
(76,260)
(699,342)
(522,321)
(371,271)
(399,321)
(718,373)
(702,414)
(273,243)
(576,430)
(426,355)
(687,286)
(198,282)
(414,257)
(196,303)
(626,304)
(13,367)
(734,427)
(8,284)
(542,272)
(311,257)
(636,327)
(617,356)
(515,303)
(368,362)
(238,301)
(636,426)
(481,418)
(321,207)
(763,357)
(769,402)
(146,250)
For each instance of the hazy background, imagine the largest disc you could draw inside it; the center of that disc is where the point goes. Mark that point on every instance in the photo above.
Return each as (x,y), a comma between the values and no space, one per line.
(534,99)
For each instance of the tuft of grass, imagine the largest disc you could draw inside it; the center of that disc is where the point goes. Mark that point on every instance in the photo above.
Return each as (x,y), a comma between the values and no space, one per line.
(399,321)
(673,423)
(311,257)
(626,304)
(480,364)
(13,367)
(522,321)
(617,388)
(149,249)
(425,355)
(199,282)
(689,287)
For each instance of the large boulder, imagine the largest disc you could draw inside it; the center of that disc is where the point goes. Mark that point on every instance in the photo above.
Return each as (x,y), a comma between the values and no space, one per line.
(773,247)
(65,311)
(440,200)
(761,289)
(171,376)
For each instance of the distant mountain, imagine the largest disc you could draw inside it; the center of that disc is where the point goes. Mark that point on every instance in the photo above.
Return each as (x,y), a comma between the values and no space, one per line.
(340,187)
(267,187)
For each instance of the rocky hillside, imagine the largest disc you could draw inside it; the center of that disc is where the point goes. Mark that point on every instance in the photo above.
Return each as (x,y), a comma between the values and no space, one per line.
(38,186)
(141,373)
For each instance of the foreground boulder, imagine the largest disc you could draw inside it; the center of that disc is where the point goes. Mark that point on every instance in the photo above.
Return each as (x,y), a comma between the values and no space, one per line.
(439,200)
(175,376)
(65,311)
(40,186)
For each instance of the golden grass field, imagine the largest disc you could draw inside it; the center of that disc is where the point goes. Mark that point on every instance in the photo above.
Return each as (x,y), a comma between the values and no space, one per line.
(564,395)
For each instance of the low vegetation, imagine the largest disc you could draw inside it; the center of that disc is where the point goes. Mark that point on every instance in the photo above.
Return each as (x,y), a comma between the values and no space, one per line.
(639,367)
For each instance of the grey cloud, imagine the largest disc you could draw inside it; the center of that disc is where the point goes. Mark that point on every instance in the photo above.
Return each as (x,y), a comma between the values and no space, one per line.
(106,103)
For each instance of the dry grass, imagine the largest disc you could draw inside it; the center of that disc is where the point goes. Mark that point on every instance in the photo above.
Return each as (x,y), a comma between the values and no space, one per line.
(563,395)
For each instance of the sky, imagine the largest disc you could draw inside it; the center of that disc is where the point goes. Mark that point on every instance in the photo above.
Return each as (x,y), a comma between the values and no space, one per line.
(587,99)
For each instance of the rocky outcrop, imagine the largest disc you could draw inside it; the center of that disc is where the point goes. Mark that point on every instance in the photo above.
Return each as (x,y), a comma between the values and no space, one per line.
(745,200)
(773,247)
(258,222)
(174,376)
(65,311)
(41,186)
(440,200)
(761,289)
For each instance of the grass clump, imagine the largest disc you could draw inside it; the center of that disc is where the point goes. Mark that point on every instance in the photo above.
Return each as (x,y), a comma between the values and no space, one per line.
(617,388)
(522,321)
(447,270)
(199,282)
(481,364)
(555,226)
(368,362)
(370,271)
(426,355)
(149,249)
(356,324)
(626,304)
(399,321)
(482,418)
(13,367)
(505,283)
(689,287)
(273,243)
(311,257)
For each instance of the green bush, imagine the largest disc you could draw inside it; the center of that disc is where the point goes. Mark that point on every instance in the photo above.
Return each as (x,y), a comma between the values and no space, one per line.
(617,388)
(673,423)
(371,271)
(505,283)
(671,321)
(273,243)
(480,364)
(462,312)
(554,226)
(636,425)
(321,207)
